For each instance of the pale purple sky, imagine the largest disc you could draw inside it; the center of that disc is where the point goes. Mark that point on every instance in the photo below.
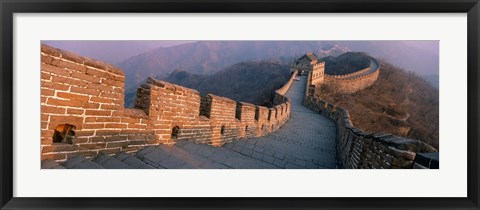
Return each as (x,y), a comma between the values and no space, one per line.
(110,51)
(419,56)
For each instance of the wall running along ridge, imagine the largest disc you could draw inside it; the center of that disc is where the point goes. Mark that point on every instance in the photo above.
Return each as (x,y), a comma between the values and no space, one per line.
(358,149)
(90,95)
(346,83)
(353,82)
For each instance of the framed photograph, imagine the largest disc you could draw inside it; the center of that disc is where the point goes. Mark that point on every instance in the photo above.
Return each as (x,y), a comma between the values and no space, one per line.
(229,105)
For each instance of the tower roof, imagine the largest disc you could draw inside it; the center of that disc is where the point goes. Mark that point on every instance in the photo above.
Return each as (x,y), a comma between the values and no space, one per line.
(311,56)
(307,58)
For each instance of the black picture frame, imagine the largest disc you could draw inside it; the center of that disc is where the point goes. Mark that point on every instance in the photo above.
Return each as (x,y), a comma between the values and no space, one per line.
(10,7)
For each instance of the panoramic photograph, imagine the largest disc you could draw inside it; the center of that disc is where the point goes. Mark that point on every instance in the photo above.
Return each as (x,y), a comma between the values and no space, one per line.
(188,104)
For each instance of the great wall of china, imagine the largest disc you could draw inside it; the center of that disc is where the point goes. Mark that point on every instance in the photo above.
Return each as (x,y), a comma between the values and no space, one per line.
(346,83)
(360,149)
(90,94)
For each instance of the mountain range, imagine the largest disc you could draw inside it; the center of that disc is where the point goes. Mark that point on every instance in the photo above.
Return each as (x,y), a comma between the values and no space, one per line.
(250,81)
(141,59)
(400,102)
(208,57)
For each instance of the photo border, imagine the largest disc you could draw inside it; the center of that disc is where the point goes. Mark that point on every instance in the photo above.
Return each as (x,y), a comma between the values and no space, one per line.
(8,8)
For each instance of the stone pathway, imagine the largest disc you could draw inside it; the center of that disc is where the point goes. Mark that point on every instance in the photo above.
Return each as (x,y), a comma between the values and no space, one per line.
(306,140)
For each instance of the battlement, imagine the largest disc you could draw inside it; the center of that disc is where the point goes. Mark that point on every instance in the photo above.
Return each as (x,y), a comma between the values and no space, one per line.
(279,96)
(359,149)
(89,95)
(350,76)
(346,83)
(301,66)
(319,65)
(351,83)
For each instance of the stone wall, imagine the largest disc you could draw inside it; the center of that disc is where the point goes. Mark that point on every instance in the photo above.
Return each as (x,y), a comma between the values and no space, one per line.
(358,149)
(89,94)
(351,83)
(279,96)
(346,83)
(350,75)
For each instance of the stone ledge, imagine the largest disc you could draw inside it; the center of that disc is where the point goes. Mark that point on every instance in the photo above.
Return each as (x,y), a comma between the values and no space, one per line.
(247,104)
(137,113)
(220,98)
(170,86)
(80,59)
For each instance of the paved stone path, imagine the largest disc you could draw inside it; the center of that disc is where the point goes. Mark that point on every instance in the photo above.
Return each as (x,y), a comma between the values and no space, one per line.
(306,140)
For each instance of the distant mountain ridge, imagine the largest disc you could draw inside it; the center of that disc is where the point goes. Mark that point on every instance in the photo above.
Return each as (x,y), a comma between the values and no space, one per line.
(400,102)
(110,51)
(419,56)
(183,78)
(251,81)
(346,63)
(433,79)
(208,57)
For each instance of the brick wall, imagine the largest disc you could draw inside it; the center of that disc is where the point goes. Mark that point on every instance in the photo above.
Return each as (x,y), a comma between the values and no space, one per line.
(346,83)
(206,119)
(318,73)
(359,149)
(353,82)
(279,96)
(89,94)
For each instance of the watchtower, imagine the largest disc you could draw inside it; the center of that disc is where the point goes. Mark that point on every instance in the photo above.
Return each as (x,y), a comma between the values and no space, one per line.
(304,64)
(318,72)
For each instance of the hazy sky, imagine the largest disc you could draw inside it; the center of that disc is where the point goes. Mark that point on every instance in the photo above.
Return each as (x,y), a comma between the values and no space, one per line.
(110,51)
(419,56)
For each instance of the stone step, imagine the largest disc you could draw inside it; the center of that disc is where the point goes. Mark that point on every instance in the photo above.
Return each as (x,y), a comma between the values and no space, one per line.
(224,157)
(110,162)
(194,160)
(172,156)
(142,152)
(51,164)
(80,162)
(132,161)
(149,155)
(281,153)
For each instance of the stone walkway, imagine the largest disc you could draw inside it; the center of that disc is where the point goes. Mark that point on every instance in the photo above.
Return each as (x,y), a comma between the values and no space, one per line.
(306,140)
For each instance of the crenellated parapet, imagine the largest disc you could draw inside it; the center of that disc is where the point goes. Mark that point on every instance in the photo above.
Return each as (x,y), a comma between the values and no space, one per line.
(359,149)
(301,67)
(89,95)
(318,65)
(356,81)
(346,83)
(350,76)
(279,96)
